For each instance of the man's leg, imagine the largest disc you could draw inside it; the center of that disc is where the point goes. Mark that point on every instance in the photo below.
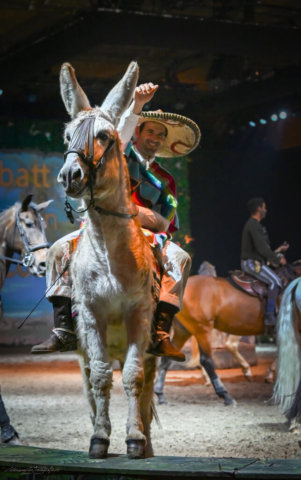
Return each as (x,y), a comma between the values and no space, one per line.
(58,261)
(267,276)
(176,268)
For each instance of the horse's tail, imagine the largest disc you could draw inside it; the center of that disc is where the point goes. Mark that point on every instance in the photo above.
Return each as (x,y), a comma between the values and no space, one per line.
(289,354)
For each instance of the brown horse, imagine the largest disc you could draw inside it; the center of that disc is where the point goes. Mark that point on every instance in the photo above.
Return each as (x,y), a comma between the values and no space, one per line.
(212,302)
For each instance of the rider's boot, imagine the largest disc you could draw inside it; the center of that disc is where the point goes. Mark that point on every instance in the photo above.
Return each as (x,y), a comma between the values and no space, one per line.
(160,344)
(63,338)
(270,319)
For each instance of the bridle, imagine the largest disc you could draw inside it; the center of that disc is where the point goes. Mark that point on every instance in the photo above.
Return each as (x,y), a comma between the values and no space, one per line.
(28,259)
(83,140)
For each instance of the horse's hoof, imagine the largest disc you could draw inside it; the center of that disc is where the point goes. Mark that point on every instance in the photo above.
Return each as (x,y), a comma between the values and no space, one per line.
(161,399)
(136,448)
(248,375)
(98,447)
(229,401)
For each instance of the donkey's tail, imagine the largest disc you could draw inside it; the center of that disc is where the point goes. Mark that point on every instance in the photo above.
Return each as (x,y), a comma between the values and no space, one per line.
(154,413)
(289,353)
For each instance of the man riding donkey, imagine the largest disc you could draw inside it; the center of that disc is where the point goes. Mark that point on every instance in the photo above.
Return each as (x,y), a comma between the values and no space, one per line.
(154,194)
(256,254)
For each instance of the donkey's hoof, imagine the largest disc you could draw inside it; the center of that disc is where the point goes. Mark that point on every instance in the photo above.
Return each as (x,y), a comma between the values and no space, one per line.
(136,448)
(98,447)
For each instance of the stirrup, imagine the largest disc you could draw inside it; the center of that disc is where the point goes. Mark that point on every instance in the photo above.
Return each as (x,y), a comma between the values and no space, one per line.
(62,334)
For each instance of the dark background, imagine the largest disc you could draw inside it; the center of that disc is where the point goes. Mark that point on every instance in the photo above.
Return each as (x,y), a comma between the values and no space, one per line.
(221,183)
(221,63)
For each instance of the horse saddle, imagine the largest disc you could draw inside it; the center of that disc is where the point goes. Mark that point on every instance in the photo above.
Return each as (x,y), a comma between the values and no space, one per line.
(255,287)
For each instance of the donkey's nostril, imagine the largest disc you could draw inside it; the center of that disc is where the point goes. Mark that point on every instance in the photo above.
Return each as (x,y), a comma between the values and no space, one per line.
(77,174)
(62,177)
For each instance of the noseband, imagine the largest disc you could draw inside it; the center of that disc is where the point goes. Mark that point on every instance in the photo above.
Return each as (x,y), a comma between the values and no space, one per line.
(81,141)
(28,259)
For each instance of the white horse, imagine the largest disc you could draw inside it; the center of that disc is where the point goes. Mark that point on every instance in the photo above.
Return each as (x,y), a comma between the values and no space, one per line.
(286,392)
(112,266)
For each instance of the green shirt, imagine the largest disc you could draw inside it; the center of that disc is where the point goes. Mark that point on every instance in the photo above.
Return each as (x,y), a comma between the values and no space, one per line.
(255,246)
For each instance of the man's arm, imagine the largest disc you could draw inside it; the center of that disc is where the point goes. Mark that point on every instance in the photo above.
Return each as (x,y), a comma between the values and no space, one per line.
(152,220)
(128,122)
(262,246)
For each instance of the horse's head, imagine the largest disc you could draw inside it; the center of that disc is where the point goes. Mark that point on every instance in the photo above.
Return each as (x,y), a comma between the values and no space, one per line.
(28,235)
(92,135)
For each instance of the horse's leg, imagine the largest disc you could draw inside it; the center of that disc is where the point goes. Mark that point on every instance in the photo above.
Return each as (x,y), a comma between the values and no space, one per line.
(232,345)
(204,342)
(133,381)
(147,405)
(271,372)
(181,335)
(94,343)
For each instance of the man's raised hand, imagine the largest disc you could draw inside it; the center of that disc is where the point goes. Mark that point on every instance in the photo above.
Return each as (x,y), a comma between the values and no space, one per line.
(143,94)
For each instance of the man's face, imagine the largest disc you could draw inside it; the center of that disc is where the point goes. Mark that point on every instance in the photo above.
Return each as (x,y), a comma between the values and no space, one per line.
(150,139)
(263,211)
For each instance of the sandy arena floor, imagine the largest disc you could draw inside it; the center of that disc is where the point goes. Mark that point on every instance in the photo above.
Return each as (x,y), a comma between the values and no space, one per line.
(46,404)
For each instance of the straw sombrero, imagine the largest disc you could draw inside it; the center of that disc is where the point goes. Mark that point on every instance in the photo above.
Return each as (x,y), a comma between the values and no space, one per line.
(183,134)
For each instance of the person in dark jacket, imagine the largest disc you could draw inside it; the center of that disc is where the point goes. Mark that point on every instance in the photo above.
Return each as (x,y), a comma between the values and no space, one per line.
(256,255)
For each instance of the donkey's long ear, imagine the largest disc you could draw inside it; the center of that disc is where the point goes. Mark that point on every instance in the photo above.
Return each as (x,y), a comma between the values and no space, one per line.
(120,96)
(72,94)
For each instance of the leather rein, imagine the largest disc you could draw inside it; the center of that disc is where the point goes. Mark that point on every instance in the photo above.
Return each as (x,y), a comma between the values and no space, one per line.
(28,259)
(83,139)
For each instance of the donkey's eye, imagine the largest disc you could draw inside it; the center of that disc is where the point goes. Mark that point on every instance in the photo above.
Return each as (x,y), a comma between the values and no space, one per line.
(68,138)
(29,223)
(103,136)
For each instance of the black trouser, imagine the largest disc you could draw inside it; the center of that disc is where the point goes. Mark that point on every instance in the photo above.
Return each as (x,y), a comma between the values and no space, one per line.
(267,276)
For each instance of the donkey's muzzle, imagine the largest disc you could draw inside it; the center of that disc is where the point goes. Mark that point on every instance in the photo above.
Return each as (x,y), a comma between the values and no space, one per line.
(72,179)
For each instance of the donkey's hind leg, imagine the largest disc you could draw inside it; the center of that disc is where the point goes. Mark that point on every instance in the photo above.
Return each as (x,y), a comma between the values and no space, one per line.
(133,380)
(86,372)
(100,377)
(147,405)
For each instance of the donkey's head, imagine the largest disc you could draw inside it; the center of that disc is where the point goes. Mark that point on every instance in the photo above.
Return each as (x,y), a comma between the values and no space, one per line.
(28,235)
(92,135)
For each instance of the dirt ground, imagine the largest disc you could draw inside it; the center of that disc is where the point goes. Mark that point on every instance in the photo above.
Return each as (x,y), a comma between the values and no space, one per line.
(45,401)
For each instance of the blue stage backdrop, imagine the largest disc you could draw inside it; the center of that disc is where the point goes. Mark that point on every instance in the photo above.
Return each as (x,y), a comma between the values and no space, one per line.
(23,172)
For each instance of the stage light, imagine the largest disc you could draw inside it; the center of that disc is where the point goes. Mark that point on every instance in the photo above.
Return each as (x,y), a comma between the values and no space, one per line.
(263,121)
(252,124)
(282,115)
(1,91)
(274,117)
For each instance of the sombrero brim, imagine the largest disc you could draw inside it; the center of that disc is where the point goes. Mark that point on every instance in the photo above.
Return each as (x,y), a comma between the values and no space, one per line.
(183,134)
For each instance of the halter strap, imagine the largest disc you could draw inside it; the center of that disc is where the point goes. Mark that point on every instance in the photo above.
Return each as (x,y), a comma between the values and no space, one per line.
(28,259)
(82,137)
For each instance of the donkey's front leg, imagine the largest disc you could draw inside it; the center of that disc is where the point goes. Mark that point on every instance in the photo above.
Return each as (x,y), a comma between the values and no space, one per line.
(133,381)
(100,378)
